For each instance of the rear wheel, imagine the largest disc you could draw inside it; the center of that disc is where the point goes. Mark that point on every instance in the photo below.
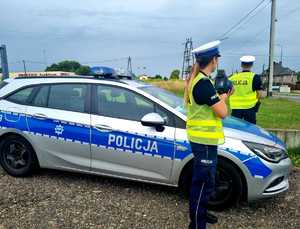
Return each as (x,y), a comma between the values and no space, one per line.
(229,185)
(17,156)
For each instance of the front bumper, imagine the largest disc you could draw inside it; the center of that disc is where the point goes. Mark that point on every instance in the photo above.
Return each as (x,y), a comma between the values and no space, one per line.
(275,183)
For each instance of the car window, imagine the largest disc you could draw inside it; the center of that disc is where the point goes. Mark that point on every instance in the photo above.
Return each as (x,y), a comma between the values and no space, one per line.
(41,97)
(121,103)
(69,97)
(166,115)
(22,96)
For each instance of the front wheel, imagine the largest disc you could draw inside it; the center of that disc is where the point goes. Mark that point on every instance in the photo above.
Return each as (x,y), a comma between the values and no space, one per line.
(229,186)
(17,157)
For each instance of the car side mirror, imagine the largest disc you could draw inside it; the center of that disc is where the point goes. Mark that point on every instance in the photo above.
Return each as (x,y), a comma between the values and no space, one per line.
(153,120)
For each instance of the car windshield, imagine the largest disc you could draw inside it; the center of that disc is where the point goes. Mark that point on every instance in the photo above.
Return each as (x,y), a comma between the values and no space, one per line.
(167,97)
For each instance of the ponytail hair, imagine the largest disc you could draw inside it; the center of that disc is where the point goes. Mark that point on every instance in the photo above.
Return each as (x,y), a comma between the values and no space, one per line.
(201,63)
(188,82)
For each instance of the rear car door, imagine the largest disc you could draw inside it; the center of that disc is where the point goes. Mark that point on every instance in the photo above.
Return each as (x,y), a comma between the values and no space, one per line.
(121,145)
(59,125)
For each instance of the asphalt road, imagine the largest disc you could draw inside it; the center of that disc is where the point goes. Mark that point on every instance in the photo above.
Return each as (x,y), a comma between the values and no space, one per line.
(52,199)
(289,97)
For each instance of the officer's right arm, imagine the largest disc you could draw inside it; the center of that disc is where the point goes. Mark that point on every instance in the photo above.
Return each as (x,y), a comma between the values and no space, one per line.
(220,108)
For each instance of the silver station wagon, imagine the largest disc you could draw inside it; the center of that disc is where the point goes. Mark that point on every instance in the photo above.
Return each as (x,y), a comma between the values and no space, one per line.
(128,129)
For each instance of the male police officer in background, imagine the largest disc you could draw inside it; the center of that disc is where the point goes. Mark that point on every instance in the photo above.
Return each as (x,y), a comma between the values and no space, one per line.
(205,110)
(245,101)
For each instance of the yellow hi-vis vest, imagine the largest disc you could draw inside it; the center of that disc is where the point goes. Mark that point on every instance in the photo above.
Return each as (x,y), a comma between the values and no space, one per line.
(203,126)
(243,97)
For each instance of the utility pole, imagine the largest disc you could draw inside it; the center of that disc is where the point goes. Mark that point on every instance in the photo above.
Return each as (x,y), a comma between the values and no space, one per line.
(271,48)
(129,66)
(24,65)
(45,60)
(264,74)
(188,59)
(280,54)
(4,62)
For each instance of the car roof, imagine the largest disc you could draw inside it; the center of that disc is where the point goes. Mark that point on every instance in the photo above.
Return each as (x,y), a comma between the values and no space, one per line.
(20,82)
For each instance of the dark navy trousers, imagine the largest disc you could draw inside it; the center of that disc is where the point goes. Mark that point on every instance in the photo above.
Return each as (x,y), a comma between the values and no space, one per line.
(248,115)
(203,183)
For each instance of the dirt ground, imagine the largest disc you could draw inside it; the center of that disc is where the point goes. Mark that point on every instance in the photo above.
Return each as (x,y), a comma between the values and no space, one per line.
(53,199)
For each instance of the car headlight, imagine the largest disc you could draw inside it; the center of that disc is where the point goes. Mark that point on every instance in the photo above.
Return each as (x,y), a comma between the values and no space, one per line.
(269,153)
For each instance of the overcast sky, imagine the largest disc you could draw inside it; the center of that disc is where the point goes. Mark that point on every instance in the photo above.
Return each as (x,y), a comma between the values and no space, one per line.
(151,32)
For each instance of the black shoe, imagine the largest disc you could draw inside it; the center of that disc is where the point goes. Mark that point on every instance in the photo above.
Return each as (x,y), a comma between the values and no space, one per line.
(210,218)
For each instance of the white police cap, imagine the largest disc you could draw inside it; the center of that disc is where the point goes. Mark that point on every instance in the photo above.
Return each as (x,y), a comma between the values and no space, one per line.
(207,50)
(247,59)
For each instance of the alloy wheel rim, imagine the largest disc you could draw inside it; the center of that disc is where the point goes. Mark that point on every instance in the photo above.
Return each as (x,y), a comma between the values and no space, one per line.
(16,155)
(223,189)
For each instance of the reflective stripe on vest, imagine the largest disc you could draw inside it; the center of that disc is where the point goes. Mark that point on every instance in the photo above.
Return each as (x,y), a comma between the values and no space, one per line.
(244,97)
(202,125)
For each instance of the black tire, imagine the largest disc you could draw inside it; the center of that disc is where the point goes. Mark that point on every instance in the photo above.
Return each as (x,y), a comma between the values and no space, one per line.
(17,157)
(185,179)
(229,185)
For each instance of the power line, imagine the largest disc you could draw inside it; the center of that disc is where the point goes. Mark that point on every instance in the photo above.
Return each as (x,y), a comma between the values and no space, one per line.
(242,19)
(133,57)
(105,61)
(260,32)
(257,35)
(35,62)
(264,29)
(253,16)
(291,12)
(258,55)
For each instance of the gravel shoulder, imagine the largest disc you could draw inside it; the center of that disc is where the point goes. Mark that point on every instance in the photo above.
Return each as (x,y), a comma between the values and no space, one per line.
(53,199)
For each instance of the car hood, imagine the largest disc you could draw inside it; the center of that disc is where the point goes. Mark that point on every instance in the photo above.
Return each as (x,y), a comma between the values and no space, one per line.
(238,126)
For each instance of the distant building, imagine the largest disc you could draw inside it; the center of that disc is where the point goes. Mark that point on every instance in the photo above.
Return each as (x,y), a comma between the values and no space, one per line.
(39,74)
(282,75)
(144,77)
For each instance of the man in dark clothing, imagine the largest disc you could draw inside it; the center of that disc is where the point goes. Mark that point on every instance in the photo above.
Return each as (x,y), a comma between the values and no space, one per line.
(248,86)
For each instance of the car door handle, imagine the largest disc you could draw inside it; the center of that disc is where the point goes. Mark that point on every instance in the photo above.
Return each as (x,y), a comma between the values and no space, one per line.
(40,116)
(103,128)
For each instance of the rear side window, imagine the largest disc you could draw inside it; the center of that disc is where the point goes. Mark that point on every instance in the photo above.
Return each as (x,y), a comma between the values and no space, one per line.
(69,97)
(22,96)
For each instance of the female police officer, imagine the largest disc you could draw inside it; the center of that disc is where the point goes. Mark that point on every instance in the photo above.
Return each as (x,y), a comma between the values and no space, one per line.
(205,109)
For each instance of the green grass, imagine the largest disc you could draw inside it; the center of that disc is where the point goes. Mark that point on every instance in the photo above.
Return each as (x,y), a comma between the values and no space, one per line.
(279,113)
(294,155)
(274,113)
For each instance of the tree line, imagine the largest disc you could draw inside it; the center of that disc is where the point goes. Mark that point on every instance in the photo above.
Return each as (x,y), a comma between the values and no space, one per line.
(70,66)
(77,68)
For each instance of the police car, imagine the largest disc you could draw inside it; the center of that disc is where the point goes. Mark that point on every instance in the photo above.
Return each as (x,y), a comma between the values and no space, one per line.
(128,129)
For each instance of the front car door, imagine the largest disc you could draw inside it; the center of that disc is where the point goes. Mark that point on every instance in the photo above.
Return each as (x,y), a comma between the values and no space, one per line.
(121,145)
